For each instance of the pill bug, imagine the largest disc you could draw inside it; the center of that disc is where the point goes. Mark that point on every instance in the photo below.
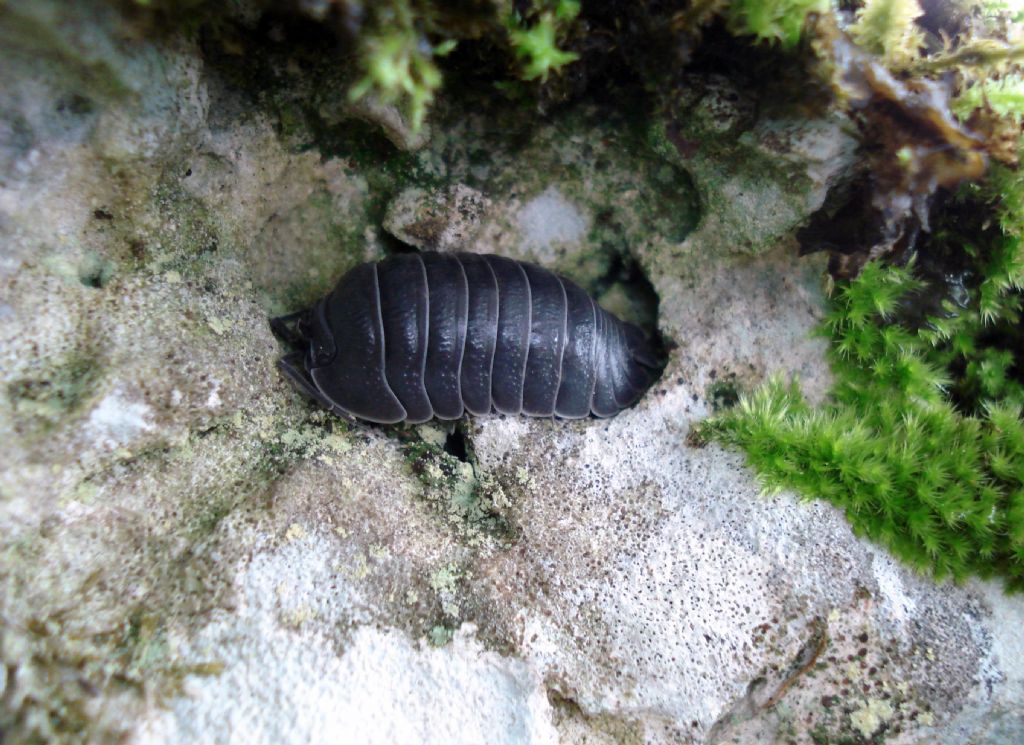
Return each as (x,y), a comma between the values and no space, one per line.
(424,335)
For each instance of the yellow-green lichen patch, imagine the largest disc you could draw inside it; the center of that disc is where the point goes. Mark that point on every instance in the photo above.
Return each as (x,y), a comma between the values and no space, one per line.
(872,717)
(470,502)
(440,636)
(164,230)
(63,388)
(137,464)
(76,629)
(225,472)
(445,583)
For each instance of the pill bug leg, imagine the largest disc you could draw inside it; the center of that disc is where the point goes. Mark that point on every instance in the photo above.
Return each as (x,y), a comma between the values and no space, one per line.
(293,329)
(293,366)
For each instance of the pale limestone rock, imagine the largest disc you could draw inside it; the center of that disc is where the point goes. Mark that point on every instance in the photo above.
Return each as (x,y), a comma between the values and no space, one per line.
(440,220)
(174,517)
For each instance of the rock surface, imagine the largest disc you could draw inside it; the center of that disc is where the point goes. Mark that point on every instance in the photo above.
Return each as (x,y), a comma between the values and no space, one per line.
(758,177)
(442,220)
(190,552)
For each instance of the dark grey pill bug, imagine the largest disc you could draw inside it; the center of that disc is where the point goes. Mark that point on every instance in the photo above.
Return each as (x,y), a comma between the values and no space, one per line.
(424,335)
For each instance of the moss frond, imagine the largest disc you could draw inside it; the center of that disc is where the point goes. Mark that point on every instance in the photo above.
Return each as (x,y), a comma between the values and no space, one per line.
(398,62)
(536,44)
(775,21)
(887,28)
(1004,96)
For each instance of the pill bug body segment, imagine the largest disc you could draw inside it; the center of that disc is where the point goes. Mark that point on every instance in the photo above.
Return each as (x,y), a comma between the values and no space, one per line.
(425,335)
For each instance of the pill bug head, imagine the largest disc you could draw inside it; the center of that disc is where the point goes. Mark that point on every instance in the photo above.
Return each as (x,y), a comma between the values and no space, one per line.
(311,341)
(646,354)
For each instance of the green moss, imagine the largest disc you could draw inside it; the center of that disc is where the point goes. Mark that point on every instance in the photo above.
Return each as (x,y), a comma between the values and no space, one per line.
(398,61)
(401,41)
(922,440)
(996,7)
(777,21)
(536,45)
(1005,96)
(887,28)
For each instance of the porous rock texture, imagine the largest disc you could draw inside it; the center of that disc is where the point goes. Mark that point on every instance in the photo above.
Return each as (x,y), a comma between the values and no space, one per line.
(191,552)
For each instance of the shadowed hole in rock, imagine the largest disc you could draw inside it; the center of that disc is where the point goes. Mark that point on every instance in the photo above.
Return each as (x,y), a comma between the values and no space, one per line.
(95,271)
(455,445)
(626,292)
(393,245)
(723,394)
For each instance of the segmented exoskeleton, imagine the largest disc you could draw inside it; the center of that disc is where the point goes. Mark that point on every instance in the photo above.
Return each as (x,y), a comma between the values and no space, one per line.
(426,335)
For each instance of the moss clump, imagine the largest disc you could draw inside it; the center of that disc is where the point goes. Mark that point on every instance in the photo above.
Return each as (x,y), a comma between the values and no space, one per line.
(887,28)
(399,61)
(922,440)
(401,41)
(1005,97)
(776,21)
(535,45)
